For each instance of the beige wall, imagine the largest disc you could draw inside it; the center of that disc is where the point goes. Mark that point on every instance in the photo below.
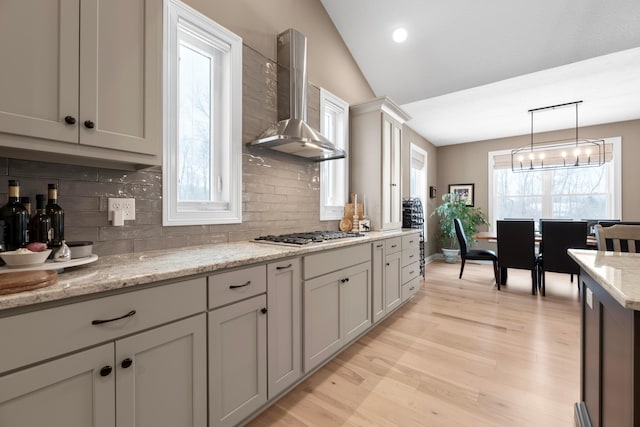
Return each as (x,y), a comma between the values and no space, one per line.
(467,163)
(330,65)
(411,137)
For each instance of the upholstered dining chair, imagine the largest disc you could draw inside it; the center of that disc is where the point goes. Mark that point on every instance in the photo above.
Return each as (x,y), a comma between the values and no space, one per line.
(474,254)
(557,237)
(619,237)
(517,249)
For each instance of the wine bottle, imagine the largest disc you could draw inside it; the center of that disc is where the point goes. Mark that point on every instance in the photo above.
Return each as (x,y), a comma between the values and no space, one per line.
(56,214)
(40,224)
(26,202)
(16,219)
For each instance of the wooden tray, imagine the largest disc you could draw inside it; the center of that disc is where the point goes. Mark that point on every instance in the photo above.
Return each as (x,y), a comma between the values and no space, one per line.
(13,282)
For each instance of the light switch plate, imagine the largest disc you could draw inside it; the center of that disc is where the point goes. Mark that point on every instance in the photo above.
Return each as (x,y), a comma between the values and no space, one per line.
(127,206)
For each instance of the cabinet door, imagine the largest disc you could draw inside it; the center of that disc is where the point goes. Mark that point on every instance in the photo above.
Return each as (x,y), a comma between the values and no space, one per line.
(392,284)
(377,281)
(284,340)
(162,376)
(40,39)
(322,322)
(66,392)
(120,74)
(356,301)
(391,174)
(237,361)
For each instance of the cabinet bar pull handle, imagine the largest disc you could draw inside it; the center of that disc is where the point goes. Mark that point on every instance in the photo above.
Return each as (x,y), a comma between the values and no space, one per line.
(412,271)
(410,256)
(126,363)
(240,286)
(412,288)
(105,370)
(284,267)
(346,279)
(379,246)
(393,246)
(99,322)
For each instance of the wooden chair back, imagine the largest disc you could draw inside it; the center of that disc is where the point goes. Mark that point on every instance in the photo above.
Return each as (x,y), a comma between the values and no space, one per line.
(624,238)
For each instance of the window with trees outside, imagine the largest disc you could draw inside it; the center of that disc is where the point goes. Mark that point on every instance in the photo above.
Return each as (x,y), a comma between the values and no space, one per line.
(202,156)
(572,193)
(334,123)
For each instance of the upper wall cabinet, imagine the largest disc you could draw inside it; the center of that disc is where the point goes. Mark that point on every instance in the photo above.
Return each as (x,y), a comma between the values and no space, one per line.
(85,78)
(376,140)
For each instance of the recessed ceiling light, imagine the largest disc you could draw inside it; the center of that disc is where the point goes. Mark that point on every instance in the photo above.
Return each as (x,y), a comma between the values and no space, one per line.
(399,35)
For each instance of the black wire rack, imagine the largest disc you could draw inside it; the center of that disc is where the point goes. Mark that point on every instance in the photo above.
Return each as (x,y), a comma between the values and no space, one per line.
(413,217)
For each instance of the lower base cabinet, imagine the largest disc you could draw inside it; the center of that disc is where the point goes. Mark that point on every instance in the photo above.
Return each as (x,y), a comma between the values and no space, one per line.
(337,308)
(155,378)
(237,360)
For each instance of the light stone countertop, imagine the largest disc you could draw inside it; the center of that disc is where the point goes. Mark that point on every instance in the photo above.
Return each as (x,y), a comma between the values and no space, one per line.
(617,272)
(127,270)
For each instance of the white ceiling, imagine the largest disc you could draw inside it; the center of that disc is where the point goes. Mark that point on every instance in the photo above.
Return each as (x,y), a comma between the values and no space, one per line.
(470,70)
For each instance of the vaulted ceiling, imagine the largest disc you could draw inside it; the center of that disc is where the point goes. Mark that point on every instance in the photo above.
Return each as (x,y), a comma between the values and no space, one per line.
(471,70)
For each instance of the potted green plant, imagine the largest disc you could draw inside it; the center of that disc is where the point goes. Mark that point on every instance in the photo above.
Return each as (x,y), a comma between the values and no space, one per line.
(453,207)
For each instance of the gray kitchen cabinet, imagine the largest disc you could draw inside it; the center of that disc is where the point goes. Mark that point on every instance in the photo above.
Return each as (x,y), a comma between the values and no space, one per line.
(134,372)
(377,281)
(85,78)
(284,332)
(376,140)
(392,271)
(237,360)
(69,392)
(337,309)
(156,378)
(410,279)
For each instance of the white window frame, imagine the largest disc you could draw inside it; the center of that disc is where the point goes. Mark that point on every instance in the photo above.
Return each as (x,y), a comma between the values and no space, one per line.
(424,197)
(226,111)
(617,178)
(329,101)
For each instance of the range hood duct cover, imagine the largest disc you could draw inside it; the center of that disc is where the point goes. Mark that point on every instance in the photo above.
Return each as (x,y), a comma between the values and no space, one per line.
(292,135)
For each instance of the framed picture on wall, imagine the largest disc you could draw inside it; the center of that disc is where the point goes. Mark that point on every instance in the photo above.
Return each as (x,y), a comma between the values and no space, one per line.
(465,191)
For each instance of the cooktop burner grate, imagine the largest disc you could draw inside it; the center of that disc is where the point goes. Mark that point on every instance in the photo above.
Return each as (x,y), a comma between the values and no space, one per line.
(307,238)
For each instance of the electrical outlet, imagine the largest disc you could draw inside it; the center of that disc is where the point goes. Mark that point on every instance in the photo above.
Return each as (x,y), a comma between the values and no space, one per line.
(127,206)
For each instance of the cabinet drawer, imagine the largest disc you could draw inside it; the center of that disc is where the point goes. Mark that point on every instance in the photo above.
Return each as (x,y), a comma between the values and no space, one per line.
(393,245)
(47,333)
(336,259)
(409,256)
(411,241)
(410,288)
(225,288)
(410,272)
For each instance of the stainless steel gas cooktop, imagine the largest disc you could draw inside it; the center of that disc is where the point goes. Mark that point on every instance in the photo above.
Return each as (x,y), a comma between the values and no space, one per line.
(307,238)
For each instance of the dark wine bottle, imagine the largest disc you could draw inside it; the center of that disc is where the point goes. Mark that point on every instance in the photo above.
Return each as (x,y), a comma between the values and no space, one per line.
(26,202)
(40,224)
(16,219)
(56,214)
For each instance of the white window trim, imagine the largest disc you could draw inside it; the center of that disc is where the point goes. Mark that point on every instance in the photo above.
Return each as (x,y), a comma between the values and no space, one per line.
(230,44)
(617,177)
(425,154)
(327,212)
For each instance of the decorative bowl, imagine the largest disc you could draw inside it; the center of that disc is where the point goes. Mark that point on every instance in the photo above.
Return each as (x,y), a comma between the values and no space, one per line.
(17,259)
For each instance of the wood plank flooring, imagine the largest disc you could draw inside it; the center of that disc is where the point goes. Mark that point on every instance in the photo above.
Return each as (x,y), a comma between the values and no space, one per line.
(460,353)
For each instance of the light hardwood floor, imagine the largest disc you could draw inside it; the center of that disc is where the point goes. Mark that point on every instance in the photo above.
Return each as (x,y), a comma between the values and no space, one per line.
(459,354)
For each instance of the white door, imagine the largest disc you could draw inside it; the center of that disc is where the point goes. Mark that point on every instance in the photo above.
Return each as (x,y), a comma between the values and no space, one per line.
(72,391)
(237,360)
(162,376)
(284,339)
(40,57)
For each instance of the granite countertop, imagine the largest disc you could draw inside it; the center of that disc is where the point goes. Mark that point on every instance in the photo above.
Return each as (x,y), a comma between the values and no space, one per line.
(617,272)
(122,271)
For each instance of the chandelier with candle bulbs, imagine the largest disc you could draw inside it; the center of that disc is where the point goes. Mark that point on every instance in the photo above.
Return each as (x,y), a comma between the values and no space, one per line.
(558,154)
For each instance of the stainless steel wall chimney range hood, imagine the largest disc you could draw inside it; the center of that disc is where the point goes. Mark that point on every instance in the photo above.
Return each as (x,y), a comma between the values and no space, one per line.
(292,135)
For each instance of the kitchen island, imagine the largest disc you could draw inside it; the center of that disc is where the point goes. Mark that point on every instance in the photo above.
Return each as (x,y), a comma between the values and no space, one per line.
(610,344)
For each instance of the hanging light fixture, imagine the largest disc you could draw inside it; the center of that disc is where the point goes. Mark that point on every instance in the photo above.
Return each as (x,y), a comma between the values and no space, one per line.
(558,154)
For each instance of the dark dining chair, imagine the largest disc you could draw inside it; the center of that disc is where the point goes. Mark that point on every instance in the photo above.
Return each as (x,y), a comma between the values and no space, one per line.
(557,237)
(517,249)
(474,254)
